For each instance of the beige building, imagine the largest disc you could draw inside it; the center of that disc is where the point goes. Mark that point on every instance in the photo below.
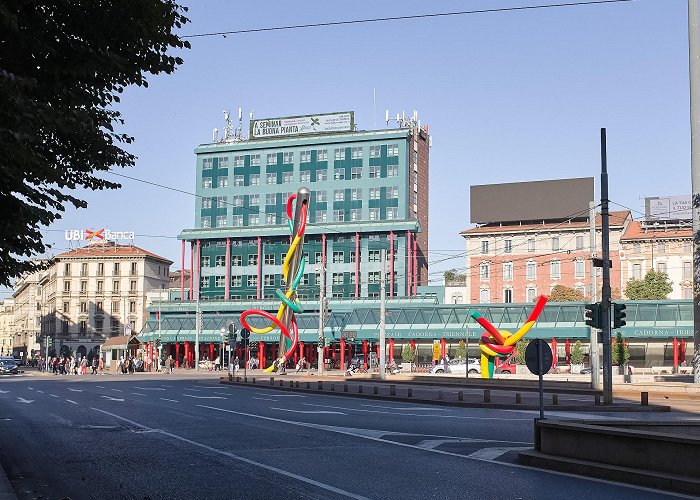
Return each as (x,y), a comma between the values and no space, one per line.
(29,310)
(7,326)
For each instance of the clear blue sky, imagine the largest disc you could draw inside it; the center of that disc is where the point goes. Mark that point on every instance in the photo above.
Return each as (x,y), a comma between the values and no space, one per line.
(509,97)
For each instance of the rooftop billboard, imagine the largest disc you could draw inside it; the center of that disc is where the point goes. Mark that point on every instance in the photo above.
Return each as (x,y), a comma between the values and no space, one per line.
(300,125)
(525,201)
(669,208)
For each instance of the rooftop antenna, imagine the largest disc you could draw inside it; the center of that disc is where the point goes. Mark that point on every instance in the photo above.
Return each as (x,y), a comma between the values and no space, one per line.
(215,135)
(386,117)
(374,108)
(228,130)
(402,121)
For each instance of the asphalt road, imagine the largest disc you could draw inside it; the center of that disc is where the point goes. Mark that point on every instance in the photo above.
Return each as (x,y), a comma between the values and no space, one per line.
(160,437)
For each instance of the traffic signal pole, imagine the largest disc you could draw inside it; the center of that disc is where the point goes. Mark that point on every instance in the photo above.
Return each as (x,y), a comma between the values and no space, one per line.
(605,299)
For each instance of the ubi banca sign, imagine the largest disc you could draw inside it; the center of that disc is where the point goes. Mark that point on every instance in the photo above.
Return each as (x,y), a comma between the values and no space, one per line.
(100,234)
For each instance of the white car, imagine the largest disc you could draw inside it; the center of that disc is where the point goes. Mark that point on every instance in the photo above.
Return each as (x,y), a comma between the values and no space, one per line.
(458,366)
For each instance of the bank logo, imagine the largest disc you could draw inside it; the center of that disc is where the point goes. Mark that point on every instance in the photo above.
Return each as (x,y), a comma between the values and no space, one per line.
(100,234)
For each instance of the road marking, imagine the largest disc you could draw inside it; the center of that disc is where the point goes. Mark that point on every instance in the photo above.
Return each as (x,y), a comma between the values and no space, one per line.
(71,401)
(113,399)
(27,401)
(40,392)
(6,419)
(53,395)
(116,390)
(281,395)
(494,453)
(75,390)
(407,408)
(248,461)
(100,386)
(4,392)
(166,399)
(149,388)
(163,385)
(189,389)
(265,399)
(203,397)
(431,444)
(414,414)
(315,412)
(138,394)
(223,393)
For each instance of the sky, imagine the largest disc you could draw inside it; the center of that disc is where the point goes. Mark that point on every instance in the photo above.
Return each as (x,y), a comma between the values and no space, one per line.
(508,96)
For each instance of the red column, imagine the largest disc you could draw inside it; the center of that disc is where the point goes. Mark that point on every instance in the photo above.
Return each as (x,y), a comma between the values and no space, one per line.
(409,262)
(187,352)
(261,354)
(182,273)
(302,353)
(211,350)
(177,354)
(391,264)
(391,350)
(274,350)
(190,361)
(415,266)
(413,345)
(554,352)
(191,271)
(259,264)
(365,351)
(198,269)
(323,249)
(443,347)
(342,354)
(357,264)
(379,351)
(227,280)
(675,354)
(682,353)
(568,352)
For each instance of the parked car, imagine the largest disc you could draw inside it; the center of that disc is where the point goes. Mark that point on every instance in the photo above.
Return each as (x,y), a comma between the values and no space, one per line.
(458,366)
(8,367)
(508,366)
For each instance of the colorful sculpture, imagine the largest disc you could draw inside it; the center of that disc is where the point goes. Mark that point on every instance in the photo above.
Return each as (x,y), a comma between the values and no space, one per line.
(293,272)
(501,343)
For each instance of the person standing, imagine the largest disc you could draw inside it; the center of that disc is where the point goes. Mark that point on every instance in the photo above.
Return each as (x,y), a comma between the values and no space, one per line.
(171,364)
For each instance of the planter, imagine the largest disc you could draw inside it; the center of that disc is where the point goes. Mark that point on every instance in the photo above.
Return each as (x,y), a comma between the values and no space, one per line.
(522,370)
(406,367)
(576,368)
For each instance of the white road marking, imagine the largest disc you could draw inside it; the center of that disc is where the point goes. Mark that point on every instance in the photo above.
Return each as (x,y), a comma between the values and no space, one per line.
(203,397)
(40,392)
(430,444)
(110,398)
(163,385)
(138,393)
(53,395)
(30,388)
(71,401)
(100,386)
(281,395)
(494,453)
(414,414)
(314,412)
(27,401)
(7,419)
(149,388)
(408,408)
(223,393)
(116,390)
(166,399)
(189,389)
(4,392)
(75,390)
(100,427)
(292,475)
(265,399)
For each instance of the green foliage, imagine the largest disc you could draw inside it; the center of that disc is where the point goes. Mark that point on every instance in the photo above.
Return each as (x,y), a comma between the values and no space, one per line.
(577,353)
(452,277)
(654,286)
(408,354)
(620,352)
(562,293)
(62,67)
(520,346)
(461,351)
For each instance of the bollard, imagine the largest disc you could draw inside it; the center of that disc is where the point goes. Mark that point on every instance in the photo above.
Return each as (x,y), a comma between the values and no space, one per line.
(596,401)
(319,386)
(645,398)
(345,387)
(230,377)
(238,379)
(460,396)
(253,380)
(245,380)
(359,389)
(410,393)
(555,399)
(296,384)
(392,390)
(518,399)
(308,385)
(272,380)
(332,387)
(376,390)
(487,395)
(439,395)
(281,383)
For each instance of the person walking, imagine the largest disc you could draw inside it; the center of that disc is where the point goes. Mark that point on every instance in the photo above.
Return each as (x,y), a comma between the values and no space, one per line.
(171,364)
(94,365)
(101,367)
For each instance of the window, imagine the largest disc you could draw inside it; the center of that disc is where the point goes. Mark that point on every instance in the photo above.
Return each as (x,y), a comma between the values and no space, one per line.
(100,286)
(83,287)
(636,271)
(66,269)
(220,260)
(204,282)
(375,171)
(116,270)
(206,222)
(133,271)
(392,213)
(270,259)
(236,281)
(253,259)
(237,201)
(637,248)
(687,270)
(508,246)
(206,182)
(661,267)
(356,153)
(531,294)
(205,261)
(555,243)
(221,201)
(484,269)
(337,278)
(321,175)
(338,215)
(132,307)
(555,269)
(238,180)
(238,161)
(66,286)
(484,247)
(339,174)
(507,270)
(508,296)
(687,246)
(338,257)
(305,156)
(662,247)
(132,286)
(254,220)
(392,150)
(255,160)
(236,220)
(252,281)
(270,199)
(579,269)
(83,326)
(374,193)
(115,286)
(206,202)
(373,214)
(254,179)
(339,154)
(579,242)
(269,280)
(254,200)
(356,194)
(305,176)
(373,277)
(320,196)
(356,173)
(392,192)
(355,214)
(99,325)
(531,270)
(531,244)
(339,195)
(484,296)
(115,307)
(392,170)
(271,178)
(320,216)
(219,281)
(287,177)
(270,218)
(272,158)
(223,181)
(288,157)
(321,155)
(207,163)
(66,307)
(375,151)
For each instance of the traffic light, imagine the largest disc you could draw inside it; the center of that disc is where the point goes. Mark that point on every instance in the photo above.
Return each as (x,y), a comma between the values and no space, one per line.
(231,333)
(619,315)
(594,315)
(157,343)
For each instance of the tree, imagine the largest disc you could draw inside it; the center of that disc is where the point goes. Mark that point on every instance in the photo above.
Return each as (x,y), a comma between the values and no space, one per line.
(620,351)
(63,64)
(453,278)
(577,353)
(520,347)
(561,293)
(407,353)
(461,351)
(654,286)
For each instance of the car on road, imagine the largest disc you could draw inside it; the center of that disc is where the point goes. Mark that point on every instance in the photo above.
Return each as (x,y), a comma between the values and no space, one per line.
(8,367)
(458,366)
(508,366)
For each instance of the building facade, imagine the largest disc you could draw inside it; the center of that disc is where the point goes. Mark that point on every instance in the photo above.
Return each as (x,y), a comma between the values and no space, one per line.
(369,192)
(29,309)
(7,326)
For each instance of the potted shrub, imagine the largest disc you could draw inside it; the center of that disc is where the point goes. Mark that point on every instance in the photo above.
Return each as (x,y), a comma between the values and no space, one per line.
(620,354)
(407,356)
(576,357)
(520,347)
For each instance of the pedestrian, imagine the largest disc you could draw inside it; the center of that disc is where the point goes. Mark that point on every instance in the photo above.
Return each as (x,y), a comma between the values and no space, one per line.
(131,365)
(101,366)
(217,363)
(171,364)
(120,364)
(83,366)
(94,365)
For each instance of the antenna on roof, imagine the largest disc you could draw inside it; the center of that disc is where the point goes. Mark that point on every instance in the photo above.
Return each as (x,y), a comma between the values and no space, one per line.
(402,121)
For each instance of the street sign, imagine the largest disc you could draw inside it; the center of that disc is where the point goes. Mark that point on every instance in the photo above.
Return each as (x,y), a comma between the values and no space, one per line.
(245,333)
(532,358)
(348,335)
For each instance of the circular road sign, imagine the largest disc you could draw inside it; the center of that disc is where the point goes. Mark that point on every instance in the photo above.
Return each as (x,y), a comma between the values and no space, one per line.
(245,333)
(532,357)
